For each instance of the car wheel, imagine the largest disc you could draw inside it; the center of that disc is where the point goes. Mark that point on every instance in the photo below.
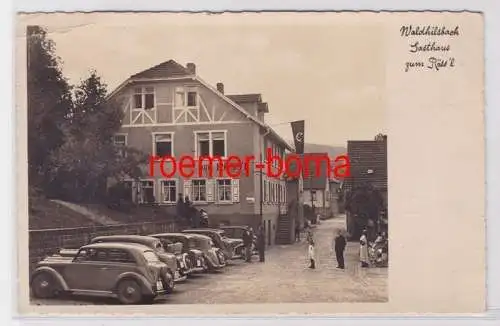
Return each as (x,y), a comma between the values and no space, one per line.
(129,292)
(45,286)
(169,282)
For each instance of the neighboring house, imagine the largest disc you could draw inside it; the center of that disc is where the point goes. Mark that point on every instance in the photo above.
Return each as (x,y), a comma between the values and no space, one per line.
(171,111)
(368,160)
(334,197)
(316,185)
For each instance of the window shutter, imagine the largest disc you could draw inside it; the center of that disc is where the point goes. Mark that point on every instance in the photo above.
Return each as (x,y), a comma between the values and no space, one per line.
(187,189)
(210,190)
(236,190)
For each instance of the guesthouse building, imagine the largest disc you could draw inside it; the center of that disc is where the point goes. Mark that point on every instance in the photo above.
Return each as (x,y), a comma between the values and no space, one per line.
(171,112)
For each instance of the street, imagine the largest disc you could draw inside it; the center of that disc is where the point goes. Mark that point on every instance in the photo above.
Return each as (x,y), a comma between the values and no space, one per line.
(282,278)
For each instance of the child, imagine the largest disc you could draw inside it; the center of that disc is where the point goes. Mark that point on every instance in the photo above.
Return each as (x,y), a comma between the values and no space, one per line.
(312,255)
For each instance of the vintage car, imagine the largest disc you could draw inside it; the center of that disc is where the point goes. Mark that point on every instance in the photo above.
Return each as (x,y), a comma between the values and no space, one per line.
(210,258)
(237,231)
(130,272)
(176,263)
(232,248)
(194,257)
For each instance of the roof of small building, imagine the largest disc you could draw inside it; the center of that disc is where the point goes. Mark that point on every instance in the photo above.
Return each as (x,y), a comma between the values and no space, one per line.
(368,164)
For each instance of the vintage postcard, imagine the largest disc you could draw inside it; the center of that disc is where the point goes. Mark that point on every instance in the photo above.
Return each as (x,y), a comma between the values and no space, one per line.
(177,164)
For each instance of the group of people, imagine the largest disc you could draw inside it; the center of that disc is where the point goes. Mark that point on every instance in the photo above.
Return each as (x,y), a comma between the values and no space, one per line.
(366,250)
(191,216)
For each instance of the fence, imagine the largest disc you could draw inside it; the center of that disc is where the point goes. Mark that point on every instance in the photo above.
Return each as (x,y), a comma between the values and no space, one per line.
(47,242)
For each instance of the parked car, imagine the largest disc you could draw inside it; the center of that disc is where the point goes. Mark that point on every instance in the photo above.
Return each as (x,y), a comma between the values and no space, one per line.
(237,231)
(212,257)
(176,264)
(232,248)
(130,272)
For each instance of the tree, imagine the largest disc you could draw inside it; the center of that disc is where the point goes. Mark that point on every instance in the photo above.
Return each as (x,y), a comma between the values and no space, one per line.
(49,102)
(365,203)
(82,166)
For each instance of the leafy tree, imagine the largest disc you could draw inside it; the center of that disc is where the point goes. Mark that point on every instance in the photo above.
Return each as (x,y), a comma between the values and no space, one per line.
(88,158)
(49,102)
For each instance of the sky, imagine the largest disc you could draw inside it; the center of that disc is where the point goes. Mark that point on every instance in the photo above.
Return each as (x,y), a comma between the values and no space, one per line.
(329,74)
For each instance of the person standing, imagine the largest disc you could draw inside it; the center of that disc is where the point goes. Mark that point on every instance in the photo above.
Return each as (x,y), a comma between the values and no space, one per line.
(309,236)
(204,218)
(339,246)
(261,243)
(180,208)
(312,255)
(247,242)
(297,231)
(363,249)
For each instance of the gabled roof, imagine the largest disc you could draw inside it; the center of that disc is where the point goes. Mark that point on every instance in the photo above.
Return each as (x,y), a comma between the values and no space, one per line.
(165,69)
(368,160)
(171,70)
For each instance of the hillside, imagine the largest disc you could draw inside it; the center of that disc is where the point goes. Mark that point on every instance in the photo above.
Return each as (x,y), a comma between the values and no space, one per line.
(332,151)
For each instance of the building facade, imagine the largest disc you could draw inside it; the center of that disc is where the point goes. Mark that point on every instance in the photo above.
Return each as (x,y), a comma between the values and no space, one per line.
(365,191)
(171,112)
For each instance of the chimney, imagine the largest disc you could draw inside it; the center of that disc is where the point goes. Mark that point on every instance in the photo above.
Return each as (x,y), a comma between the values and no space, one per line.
(220,87)
(191,67)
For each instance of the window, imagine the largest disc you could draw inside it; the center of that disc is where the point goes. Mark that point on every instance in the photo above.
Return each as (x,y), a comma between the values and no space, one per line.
(224,190)
(144,98)
(203,144)
(146,192)
(191,99)
(119,256)
(163,144)
(120,142)
(185,98)
(199,190)
(211,143)
(313,195)
(169,191)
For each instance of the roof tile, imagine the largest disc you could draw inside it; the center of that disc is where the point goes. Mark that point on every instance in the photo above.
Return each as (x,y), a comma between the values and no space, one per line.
(165,69)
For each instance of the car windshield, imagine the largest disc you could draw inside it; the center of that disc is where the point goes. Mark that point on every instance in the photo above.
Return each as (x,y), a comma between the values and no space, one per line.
(151,257)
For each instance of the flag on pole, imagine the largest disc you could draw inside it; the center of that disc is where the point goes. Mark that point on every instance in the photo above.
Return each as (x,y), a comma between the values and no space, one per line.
(298,135)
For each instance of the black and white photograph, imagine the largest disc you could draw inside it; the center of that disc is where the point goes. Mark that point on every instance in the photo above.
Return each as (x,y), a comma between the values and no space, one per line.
(177,161)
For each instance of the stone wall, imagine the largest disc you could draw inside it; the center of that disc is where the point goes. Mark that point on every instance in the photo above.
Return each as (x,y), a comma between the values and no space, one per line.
(47,242)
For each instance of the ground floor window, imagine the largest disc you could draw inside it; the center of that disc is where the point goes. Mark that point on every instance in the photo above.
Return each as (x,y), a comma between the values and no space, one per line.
(169,191)
(146,192)
(199,190)
(224,190)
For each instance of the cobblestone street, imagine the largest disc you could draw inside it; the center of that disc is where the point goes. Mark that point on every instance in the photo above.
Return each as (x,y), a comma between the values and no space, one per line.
(284,277)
